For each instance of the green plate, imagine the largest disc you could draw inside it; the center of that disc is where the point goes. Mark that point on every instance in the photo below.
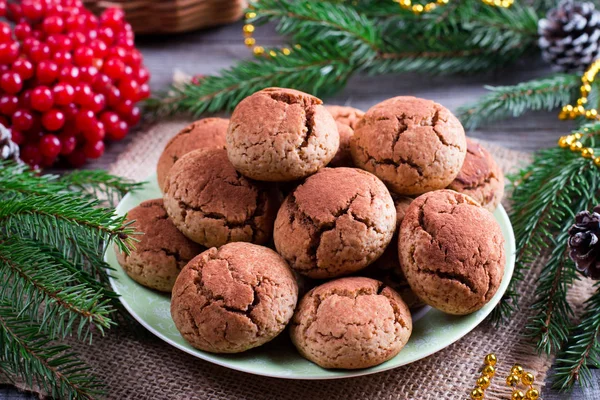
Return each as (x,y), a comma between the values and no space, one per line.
(432,329)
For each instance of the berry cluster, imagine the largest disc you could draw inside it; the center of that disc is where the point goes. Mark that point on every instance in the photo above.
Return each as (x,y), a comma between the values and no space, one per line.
(68,80)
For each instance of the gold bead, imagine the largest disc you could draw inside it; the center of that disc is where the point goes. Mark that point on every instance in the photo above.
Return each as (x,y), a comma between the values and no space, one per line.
(249,41)
(568,108)
(248,28)
(576,146)
(597,161)
(272,53)
(562,115)
(585,89)
(417,8)
(581,101)
(517,369)
(258,50)
(591,114)
(286,51)
(512,380)
(430,7)
(250,15)
(579,110)
(442,2)
(527,378)
(578,135)
(488,371)
(518,395)
(589,76)
(491,359)
(297,46)
(497,3)
(483,382)
(585,153)
(562,142)
(506,4)
(532,394)
(570,139)
(477,394)
(406,3)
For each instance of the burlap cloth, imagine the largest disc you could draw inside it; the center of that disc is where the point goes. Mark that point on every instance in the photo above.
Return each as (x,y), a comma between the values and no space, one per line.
(136,365)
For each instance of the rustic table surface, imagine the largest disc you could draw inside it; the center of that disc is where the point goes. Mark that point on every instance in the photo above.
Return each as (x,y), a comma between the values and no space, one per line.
(209,51)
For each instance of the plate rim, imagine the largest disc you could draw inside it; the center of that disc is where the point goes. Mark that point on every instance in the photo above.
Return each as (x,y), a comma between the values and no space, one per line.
(206,356)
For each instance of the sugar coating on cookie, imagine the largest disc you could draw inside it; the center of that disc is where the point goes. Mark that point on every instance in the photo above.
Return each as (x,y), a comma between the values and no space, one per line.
(162,251)
(204,133)
(346,119)
(413,145)
(337,222)
(351,323)
(212,204)
(451,251)
(387,267)
(234,298)
(281,135)
(480,177)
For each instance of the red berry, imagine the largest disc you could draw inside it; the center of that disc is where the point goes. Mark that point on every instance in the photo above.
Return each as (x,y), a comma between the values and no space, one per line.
(31,155)
(114,68)
(9,104)
(144,91)
(53,24)
(50,146)
(77,38)
(134,58)
(2,8)
(102,84)
(71,111)
(62,57)
(98,103)
(95,132)
(83,94)
(91,21)
(5,33)
(91,35)
(22,120)
(41,98)
(83,56)
(32,10)
(64,94)
(24,68)
(11,82)
(29,43)
(76,158)
(39,52)
(47,72)
(9,52)
(68,144)
(117,52)
(113,98)
(74,23)
(53,120)
(113,17)
(133,118)
(22,31)
(59,43)
(85,120)
(88,74)
(130,89)
(69,73)
(17,136)
(119,131)
(99,48)
(93,149)
(25,99)
(106,34)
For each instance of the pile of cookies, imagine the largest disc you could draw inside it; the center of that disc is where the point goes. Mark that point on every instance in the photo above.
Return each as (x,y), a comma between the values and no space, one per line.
(364,215)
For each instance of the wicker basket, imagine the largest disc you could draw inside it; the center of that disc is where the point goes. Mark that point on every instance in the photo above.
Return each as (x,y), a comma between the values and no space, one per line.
(174,16)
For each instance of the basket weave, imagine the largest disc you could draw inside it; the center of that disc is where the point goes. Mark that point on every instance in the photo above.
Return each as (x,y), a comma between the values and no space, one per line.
(173,16)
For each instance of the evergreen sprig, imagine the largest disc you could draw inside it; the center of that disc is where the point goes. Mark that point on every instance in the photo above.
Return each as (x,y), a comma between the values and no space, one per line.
(338,39)
(53,279)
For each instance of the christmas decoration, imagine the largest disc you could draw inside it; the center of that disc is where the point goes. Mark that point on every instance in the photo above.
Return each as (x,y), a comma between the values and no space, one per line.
(484,381)
(8,149)
(69,80)
(53,280)
(569,35)
(584,246)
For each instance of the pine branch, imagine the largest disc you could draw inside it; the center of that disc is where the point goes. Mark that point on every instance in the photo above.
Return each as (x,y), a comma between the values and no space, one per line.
(99,185)
(29,354)
(513,101)
(583,350)
(41,281)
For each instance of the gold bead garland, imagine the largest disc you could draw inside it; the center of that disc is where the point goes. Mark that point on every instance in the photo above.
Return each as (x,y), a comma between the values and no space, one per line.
(517,374)
(572,142)
(428,7)
(487,373)
(573,111)
(250,41)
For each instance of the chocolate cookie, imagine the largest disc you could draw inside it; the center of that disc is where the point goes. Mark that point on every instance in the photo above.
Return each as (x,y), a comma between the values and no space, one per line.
(204,133)
(451,252)
(233,299)
(387,267)
(480,177)
(162,251)
(413,145)
(281,135)
(212,204)
(351,323)
(338,221)
(346,119)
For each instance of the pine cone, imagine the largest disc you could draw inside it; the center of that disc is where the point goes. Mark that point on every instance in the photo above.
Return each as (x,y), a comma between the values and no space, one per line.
(584,243)
(9,150)
(569,35)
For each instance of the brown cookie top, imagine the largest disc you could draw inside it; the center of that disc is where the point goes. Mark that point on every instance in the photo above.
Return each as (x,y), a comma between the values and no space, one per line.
(161,252)
(351,323)
(212,203)
(414,145)
(346,119)
(338,221)
(281,135)
(345,115)
(207,132)
(451,251)
(480,177)
(234,298)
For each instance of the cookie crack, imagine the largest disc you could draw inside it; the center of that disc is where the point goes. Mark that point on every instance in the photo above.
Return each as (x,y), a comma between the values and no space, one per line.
(450,276)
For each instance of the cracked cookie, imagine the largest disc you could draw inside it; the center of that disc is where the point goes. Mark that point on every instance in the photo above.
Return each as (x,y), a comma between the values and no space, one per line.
(281,135)
(351,323)
(387,267)
(234,298)
(413,145)
(346,119)
(480,177)
(337,222)
(162,251)
(451,251)
(207,132)
(213,204)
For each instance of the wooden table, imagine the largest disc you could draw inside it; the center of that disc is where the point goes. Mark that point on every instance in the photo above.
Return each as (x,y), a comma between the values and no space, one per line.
(209,51)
